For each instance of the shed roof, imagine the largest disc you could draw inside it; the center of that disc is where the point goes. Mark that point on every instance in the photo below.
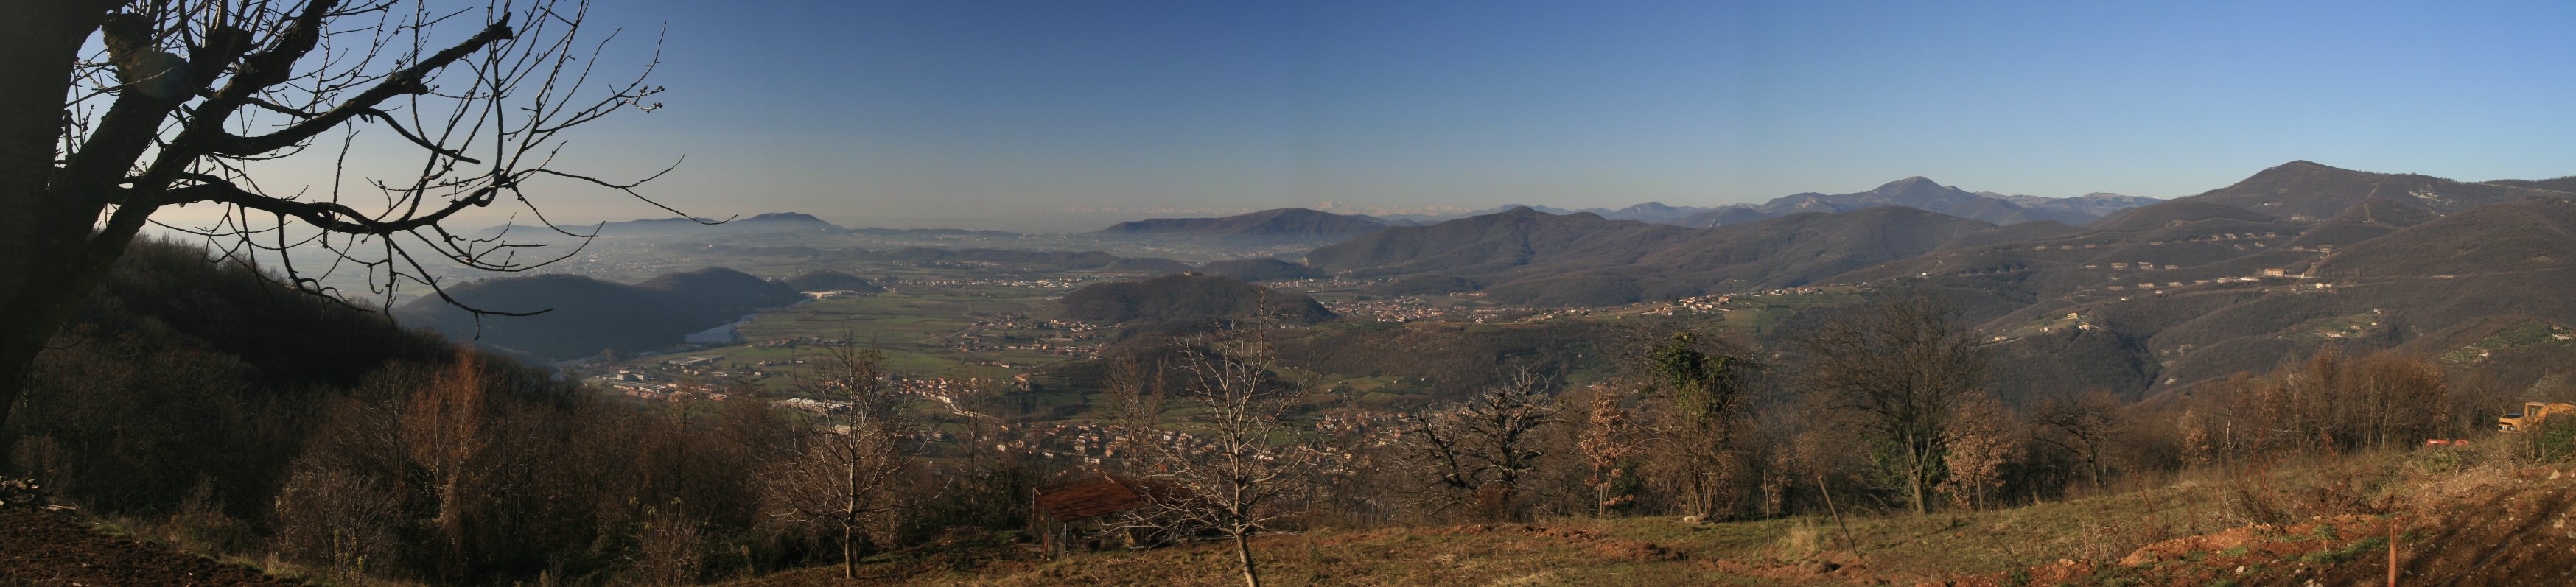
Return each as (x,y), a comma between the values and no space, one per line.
(1097,495)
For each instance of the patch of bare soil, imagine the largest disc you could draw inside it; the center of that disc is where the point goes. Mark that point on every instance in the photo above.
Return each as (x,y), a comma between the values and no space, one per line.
(2517,529)
(1827,567)
(2513,533)
(1638,551)
(955,551)
(48,550)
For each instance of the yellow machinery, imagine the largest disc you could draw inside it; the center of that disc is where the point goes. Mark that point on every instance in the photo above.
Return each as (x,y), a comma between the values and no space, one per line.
(2532,414)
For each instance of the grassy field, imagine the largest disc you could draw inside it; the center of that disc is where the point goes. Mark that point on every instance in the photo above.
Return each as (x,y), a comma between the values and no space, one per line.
(1626,551)
(913,326)
(2526,333)
(2334,328)
(2192,531)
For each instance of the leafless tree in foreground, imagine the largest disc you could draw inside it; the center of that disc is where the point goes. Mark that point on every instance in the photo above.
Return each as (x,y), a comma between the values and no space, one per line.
(849,476)
(1238,458)
(1981,438)
(447,429)
(1477,451)
(2329,403)
(1707,384)
(2086,425)
(182,100)
(1611,440)
(1898,367)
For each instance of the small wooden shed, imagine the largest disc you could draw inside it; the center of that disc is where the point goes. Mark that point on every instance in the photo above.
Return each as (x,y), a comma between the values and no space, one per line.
(1075,509)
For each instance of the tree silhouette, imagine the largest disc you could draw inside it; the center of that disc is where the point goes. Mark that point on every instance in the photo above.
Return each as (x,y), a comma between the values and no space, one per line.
(176,102)
(1899,367)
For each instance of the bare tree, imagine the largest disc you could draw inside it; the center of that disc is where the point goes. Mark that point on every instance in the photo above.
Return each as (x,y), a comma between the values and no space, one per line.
(1611,439)
(1980,439)
(1706,382)
(2401,400)
(849,477)
(2085,425)
(1135,392)
(1898,367)
(2328,402)
(446,430)
(1477,451)
(1238,458)
(670,546)
(182,100)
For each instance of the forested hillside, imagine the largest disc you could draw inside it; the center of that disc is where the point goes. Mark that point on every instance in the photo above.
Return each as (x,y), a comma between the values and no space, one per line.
(1183,297)
(1278,224)
(2161,298)
(201,403)
(1530,257)
(582,317)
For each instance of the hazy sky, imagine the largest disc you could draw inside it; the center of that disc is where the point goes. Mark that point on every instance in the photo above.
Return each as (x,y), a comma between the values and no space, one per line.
(886,113)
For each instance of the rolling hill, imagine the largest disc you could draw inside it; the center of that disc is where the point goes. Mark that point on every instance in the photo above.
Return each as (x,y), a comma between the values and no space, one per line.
(584,316)
(2305,191)
(1258,269)
(1529,257)
(1924,194)
(1020,259)
(2145,301)
(2160,298)
(1183,296)
(2096,204)
(2559,184)
(1651,212)
(1282,223)
(829,280)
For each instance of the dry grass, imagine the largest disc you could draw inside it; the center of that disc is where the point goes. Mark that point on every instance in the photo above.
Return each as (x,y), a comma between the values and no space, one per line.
(1899,548)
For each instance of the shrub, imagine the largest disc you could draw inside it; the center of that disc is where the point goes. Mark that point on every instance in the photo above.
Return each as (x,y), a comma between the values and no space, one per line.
(2555,440)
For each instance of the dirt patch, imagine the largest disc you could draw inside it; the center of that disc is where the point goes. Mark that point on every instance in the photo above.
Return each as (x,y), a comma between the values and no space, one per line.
(46,549)
(2062,572)
(1638,551)
(2516,528)
(2503,534)
(2185,547)
(1635,551)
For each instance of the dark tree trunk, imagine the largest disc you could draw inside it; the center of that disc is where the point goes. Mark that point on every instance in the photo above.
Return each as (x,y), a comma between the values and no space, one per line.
(49,265)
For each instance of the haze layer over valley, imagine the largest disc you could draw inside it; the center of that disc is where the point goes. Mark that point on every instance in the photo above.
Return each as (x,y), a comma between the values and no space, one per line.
(787,293)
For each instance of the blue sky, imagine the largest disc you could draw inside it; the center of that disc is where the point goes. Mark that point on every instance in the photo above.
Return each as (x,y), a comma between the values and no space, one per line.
(874,112)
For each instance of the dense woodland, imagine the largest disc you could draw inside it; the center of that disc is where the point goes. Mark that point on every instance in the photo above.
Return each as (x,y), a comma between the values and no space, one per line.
(249,419)
(198,399)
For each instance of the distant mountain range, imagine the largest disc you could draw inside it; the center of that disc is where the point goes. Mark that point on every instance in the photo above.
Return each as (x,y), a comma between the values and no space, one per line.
(2142,299)
(771,222)
(1548,256)
(1924,194)
(1525,256)
(1913,192)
